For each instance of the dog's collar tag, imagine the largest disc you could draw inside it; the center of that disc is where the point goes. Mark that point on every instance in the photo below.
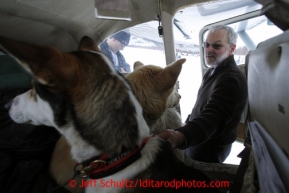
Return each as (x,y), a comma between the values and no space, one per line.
(101,166)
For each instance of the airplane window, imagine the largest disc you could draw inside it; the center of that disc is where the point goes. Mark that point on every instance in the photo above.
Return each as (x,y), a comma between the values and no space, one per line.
(255,30)
(145,45)
(257,33)
(240,52)
(250,34)
(189,82)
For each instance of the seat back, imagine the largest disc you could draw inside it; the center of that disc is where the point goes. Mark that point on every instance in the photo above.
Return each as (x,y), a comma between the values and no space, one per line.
(268,94)
(268,86)
(12,75)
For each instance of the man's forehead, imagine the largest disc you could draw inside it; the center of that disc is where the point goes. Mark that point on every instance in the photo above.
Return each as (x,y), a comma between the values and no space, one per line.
(220,36)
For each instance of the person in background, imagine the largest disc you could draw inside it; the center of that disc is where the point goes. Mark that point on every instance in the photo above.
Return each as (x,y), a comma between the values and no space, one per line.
(211,128)
(112,46)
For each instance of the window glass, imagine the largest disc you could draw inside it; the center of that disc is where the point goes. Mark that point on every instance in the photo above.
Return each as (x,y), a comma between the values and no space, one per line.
(263,31)
(189,83)
(250,34)
(145,45)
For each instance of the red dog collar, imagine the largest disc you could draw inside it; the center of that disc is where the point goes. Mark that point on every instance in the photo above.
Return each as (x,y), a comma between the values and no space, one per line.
(102,166)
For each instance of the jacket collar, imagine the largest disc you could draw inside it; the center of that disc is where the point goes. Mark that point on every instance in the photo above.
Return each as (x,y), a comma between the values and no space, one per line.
(228,63)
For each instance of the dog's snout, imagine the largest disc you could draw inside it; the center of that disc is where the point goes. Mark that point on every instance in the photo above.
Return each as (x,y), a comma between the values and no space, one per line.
(11,102)
(8,104)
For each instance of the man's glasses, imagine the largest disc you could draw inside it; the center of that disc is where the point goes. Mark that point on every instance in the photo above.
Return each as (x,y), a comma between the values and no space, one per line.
(214,45)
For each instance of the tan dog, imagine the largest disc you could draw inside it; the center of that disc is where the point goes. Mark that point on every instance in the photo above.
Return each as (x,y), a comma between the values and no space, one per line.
(157,100)
(158,108)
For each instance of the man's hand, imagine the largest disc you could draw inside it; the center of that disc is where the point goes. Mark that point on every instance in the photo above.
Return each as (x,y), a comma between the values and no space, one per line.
(175,138)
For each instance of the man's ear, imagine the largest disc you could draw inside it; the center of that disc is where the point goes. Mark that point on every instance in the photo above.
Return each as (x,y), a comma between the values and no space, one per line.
(232,49)
(87,44)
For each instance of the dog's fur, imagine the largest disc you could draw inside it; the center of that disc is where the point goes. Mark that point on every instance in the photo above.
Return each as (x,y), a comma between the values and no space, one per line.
(94,108)
(62,164)
(158,107)
(158,102)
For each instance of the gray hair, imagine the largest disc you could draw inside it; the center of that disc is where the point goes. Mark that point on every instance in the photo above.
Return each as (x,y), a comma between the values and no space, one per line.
(232,35)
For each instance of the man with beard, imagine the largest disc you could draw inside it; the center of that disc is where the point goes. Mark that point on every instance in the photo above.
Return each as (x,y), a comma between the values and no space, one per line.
(211,128)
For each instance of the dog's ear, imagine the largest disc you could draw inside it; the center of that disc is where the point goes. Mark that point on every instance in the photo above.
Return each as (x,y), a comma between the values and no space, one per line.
(137,64)
(25,54)
(172,72)
(87,44)
(44,63)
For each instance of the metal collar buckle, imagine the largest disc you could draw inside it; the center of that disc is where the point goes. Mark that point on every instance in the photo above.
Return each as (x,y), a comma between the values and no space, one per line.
(83,171)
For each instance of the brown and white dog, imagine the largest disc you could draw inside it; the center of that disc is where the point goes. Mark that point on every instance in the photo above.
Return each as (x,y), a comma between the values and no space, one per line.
(94,108)
(157,99)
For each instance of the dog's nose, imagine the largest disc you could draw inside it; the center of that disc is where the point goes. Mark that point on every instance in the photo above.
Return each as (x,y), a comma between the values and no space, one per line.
(8,104)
